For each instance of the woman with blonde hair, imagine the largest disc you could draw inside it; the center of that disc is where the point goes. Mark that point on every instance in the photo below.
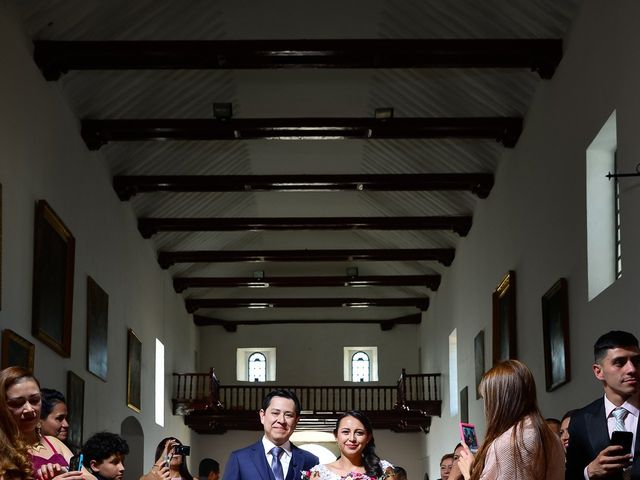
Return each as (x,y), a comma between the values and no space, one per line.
(518,445)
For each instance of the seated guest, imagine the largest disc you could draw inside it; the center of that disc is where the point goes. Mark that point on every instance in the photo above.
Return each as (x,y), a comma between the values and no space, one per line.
(49,456)
(14,457)
(209,469)
(53,415)
(564,429)
(554,425)
(358,456)
(103,456)
(518,443)
(401,473)
(446,462)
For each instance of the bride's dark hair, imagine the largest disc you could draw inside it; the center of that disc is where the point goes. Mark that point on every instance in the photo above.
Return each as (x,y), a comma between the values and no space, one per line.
(370,460)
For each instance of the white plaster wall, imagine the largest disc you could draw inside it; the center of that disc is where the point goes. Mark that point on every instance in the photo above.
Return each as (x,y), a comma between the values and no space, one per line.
(310,354)
(534,222)
(43,157)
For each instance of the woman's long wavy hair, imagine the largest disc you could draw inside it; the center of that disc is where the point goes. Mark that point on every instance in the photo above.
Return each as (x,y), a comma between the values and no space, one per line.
(370,460)
(184,470)
(14,456)
(509,393)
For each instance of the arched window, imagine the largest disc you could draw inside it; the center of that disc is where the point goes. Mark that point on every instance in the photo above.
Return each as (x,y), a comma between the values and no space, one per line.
(360,367)
(257,367)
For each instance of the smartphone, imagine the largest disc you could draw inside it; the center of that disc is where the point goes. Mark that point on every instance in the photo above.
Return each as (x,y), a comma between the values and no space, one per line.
(624,439)
(75,463)
(468,436)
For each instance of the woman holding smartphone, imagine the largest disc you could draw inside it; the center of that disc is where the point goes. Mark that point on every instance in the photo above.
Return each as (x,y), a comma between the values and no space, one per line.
(518,444)
(49,457)
(170,463)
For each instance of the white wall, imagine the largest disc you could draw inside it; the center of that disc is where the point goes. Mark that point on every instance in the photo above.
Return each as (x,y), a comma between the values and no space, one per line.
(43,157)
(534,222)
(310,354)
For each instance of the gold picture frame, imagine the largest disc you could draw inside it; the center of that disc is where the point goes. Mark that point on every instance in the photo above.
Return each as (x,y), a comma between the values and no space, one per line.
(16,351)
(53,263)
(505,339)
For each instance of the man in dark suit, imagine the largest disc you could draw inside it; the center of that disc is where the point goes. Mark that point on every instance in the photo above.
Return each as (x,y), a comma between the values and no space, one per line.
(589,454)
(273,457)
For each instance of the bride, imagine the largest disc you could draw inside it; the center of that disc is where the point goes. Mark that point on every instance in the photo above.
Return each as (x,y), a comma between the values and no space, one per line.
(358,459)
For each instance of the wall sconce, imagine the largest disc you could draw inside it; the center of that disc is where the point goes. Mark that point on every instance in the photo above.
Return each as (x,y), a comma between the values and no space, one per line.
(383,113)
(222,111)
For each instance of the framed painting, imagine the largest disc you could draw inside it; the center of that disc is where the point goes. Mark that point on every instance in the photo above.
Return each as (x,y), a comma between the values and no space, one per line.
(16,351)
(478,350)
(53,260)
(464,405)
(97,329)
(555,333)
(504,319)
(134,370)
(75,407)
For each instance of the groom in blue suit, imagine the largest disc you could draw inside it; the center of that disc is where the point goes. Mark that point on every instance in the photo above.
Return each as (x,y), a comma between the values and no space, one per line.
(273,457)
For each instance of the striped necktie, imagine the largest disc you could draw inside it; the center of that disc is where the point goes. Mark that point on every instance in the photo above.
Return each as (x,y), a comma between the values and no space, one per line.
(620,414)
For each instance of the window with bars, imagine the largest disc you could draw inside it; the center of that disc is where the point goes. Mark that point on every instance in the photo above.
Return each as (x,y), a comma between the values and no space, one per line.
(257,367)
(360,367)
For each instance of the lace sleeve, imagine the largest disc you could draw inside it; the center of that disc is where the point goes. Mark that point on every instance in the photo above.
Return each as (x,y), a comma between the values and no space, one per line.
(385,466)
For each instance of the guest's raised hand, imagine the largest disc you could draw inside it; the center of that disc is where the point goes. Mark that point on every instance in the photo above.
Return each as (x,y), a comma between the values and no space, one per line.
(465,460)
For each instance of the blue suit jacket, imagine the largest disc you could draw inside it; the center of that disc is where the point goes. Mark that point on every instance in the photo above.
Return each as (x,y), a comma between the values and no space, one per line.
(588,436)
(250,463)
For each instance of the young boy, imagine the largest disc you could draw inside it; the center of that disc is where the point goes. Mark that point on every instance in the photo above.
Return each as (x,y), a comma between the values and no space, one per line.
(103,456)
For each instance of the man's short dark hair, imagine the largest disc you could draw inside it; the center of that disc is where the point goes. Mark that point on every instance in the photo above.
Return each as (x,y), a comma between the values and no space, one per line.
(101,446)
(555,421)
(613,339)
(281,392)
(208,465)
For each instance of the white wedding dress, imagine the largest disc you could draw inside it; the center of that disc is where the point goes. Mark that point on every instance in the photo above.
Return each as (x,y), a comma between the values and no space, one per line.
(326,474)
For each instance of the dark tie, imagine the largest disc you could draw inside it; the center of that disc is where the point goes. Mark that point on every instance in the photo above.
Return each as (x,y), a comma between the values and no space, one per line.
(276,466)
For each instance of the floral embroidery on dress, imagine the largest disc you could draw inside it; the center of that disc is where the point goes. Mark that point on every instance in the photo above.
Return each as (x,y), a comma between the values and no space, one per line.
(321,472)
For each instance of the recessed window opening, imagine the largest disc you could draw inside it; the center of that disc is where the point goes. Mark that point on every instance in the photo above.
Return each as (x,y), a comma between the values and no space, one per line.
(604,243)
(360,364)
(159,384)
(453,373)
(256,364)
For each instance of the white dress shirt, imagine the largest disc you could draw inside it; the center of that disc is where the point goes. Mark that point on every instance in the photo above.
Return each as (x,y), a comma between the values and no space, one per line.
(285,458)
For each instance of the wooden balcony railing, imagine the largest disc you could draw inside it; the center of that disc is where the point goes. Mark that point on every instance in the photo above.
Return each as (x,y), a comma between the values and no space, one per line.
(201,398)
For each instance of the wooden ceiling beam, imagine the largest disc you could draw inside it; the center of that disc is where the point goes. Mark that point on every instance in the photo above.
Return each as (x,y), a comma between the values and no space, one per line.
(194,304)
(97,133)
(57,57)
(232,326)
(126,186)
(432,282)
(150,226)
(444,256)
